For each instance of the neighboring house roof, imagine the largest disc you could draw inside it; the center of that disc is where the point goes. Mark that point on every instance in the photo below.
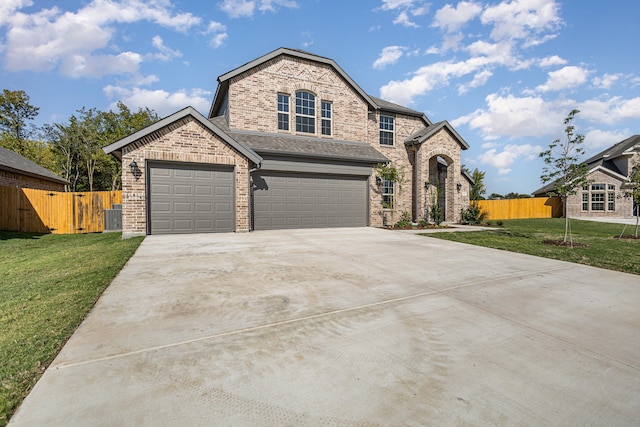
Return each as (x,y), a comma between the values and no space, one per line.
(604,161)
(14,162)
(291,145)
(425,133)
(467,175)
(374,103)
(116,147)
(623,148)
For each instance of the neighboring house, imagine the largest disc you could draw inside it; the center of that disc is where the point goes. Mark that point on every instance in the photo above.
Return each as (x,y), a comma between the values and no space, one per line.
(18,171)
(290,141)
(608,171)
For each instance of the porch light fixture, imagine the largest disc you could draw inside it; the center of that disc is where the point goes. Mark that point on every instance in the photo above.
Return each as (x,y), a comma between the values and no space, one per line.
(133,166)
(426,185)
(459,187)
(378,181)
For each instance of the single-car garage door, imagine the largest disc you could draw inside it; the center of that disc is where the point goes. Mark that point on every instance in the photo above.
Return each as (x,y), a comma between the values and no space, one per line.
(190,198)
(297,200)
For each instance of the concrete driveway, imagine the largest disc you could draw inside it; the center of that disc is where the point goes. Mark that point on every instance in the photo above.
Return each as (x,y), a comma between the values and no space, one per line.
(347,327)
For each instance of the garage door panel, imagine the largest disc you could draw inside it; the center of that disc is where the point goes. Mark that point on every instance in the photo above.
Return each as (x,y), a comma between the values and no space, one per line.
(307,201)
(190,199)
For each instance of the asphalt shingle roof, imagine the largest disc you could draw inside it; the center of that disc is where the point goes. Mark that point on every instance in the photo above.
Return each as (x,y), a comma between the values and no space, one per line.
(262,142)
(14,162)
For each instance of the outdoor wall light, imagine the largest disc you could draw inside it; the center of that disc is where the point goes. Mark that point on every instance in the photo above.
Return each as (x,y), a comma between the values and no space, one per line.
(378,181)
(459,186)
(134,167)
(426,185)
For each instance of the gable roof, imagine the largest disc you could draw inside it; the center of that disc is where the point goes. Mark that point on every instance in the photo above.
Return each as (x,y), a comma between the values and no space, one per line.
(374,103)
(626,147)
(425,133)
(604,161)
(14,162)
(309,147)
(116,147)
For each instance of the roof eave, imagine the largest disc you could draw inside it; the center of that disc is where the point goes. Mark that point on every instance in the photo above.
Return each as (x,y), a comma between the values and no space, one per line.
(35,175)
(116,147)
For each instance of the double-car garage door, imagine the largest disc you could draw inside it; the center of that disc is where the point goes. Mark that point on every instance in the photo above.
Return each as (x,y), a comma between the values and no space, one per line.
(298,200)
(200,198)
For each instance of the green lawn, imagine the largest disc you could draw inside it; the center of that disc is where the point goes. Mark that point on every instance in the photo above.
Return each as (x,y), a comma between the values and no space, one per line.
(603,247)
(48,284)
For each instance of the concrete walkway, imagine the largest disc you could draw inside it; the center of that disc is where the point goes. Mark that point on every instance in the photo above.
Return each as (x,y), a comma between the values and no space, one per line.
(347,327)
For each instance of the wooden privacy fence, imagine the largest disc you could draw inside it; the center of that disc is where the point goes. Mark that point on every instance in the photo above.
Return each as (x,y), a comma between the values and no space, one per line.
(42,211)
(538,207)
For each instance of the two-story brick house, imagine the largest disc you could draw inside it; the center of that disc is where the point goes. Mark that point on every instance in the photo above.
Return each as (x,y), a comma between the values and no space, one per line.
(290,141)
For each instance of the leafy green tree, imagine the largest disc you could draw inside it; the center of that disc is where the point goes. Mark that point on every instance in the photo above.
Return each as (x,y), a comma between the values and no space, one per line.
(563,166)
(632,190)
(478,189)
(15,113)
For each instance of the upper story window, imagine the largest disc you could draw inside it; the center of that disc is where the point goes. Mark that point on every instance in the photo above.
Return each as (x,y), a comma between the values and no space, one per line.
(326,118)
(305,112)
(387,126)
(283,111)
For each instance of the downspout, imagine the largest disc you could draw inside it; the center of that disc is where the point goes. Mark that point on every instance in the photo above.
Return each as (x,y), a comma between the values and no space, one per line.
(416,183)
(250,195)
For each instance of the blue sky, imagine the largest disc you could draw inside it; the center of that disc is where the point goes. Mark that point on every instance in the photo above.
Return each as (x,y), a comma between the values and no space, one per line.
(503,73)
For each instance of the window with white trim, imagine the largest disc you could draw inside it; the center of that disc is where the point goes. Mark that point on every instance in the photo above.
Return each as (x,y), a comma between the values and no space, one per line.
(305,112)
(283,111)
(599,197)
(387,194)
(325,124)
(387,130)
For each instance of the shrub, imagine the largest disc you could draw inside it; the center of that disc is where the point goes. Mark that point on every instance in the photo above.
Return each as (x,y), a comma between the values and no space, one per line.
(473,214)
(405,220)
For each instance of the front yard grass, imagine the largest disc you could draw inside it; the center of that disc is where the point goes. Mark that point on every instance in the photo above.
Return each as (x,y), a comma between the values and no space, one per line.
(48,283)
(603,247)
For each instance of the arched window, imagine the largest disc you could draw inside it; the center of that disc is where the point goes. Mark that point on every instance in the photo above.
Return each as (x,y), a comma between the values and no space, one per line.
(305,112)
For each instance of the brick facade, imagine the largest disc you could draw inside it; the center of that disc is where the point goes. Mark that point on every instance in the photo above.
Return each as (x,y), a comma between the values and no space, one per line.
(252,105)
(12,179)
(185,141)
(249,102)
(623,206)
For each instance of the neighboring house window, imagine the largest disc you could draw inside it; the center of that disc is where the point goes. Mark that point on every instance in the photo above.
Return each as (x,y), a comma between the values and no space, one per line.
(387,194)
(386,130)
(283,111)
(599,197)
(305,112)
(611,197)
(326,118)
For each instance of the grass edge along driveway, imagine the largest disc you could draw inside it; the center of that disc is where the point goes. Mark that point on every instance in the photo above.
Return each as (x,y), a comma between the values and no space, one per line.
(604,248)
(48,284)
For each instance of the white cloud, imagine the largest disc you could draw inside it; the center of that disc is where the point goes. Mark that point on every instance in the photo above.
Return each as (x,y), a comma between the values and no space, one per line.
(551,61)
(8,7)
(610,111)
(521,19)
(164,53)
(246,8)
(219,32)
(405,9)
(49,38)
(513,117)
(597,139)
(161,101)
(503,160)
(565,78)
(451,19)
(606,81)
(480,79)
(389,56)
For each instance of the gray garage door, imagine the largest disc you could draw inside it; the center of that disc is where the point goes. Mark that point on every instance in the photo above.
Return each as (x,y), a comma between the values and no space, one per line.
(284,200)
(190,198)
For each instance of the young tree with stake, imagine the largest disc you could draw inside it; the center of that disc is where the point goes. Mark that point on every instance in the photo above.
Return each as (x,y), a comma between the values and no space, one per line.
(563,166)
